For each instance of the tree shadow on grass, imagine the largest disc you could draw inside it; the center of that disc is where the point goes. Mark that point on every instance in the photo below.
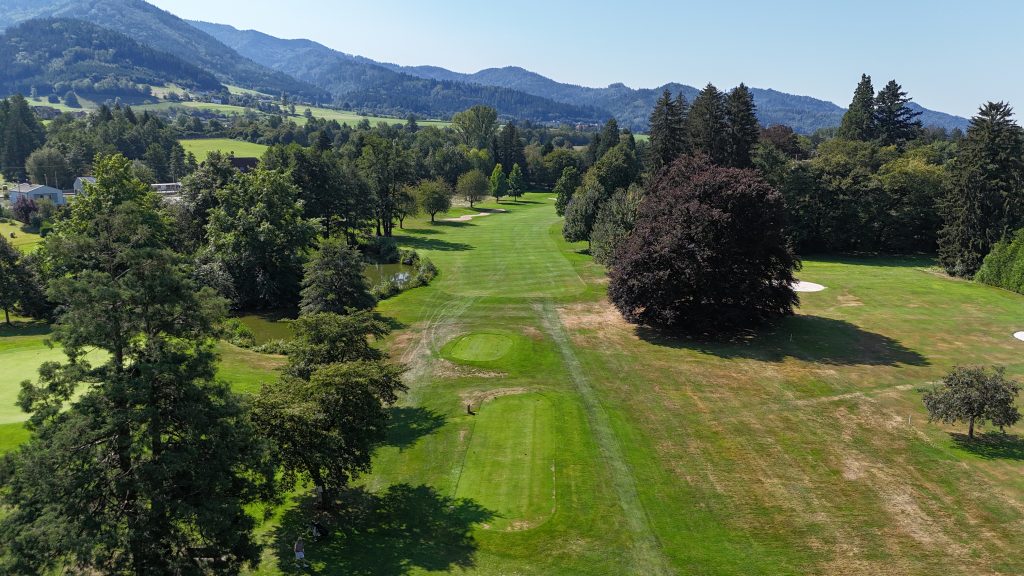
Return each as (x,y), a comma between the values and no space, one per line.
(808,338)
(991,445)
(409,424)
(422,231)
(389,534)
(23,328)
(455,223)
(432,244)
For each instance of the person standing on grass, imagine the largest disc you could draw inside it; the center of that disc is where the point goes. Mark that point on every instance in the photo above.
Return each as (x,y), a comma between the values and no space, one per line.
(300,552)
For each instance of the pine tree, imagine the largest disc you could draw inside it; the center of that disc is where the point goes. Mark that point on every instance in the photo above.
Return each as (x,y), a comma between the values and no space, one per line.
(895,122)
(609,138)
(708,125)
(859,120)
(985,202)
(22,134)
(744,129)
(515,182)
(668,129)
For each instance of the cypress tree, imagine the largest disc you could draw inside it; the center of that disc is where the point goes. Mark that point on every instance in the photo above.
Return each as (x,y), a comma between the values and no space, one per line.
(985,202)
(668,129)
(744,130)
(859,120)
(895,122)
(709,126)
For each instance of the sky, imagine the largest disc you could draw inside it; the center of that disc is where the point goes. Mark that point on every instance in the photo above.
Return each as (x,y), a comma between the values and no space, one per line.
(949,55)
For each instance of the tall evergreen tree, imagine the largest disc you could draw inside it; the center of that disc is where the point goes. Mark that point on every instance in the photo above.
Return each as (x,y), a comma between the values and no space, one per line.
(10,272)
(744,129)
(708,125)
(859,120)
(22,134)
(610,137)
(143,463)
(509,148)
(895,122)
(986,198)
(515,182)
(668,129)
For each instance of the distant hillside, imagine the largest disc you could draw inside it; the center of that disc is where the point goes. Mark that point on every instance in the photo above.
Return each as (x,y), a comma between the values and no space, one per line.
(632,107)
(57,55)
(362,84)
(164,32)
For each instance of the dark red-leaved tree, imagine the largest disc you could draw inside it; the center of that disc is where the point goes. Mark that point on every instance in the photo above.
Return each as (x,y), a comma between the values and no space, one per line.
(708,254)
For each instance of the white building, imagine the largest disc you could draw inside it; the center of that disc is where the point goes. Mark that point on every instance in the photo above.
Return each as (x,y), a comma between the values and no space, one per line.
(80,183)
(36,192)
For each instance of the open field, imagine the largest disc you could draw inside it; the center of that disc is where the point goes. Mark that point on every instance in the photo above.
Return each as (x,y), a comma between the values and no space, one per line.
(23,240)
(85,105)
(596,447)
(353,118)
(202,147)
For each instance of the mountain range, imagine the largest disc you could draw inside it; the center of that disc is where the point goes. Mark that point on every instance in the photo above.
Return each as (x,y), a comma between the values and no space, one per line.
(318,74)
(346,75)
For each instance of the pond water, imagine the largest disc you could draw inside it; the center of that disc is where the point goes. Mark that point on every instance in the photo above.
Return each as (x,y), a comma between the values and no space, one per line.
(377,273)
(269,326)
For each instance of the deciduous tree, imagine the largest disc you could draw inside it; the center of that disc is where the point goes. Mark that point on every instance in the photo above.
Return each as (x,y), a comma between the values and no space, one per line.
(472,186)
(708,253)
(974,395)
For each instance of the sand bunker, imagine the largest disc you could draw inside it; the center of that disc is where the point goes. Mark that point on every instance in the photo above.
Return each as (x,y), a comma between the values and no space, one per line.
(1019,335)
(801,286)
(468,217)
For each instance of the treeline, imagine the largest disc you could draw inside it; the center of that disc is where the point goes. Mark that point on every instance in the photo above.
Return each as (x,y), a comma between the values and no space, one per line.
(72,143)
(879,183)
(54,56)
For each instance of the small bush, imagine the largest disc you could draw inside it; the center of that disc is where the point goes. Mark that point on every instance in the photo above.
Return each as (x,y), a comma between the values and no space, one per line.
(386,289)
(237,333)
(273,347)
(408,257)
(1004,265)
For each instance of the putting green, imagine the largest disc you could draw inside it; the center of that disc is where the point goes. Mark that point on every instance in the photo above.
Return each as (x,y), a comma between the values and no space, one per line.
(510,464)
(478,347)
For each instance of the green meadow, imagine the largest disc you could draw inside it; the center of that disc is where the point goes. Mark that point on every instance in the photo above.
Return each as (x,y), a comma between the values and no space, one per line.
(201,147)
(543,435)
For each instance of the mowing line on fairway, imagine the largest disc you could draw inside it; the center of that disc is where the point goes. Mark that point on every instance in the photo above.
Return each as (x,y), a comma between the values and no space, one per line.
(646,552)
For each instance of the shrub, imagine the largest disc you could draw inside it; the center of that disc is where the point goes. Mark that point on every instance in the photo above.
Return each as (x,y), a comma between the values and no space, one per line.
(381,250)
(280,347)
(1004,265)
(236,332)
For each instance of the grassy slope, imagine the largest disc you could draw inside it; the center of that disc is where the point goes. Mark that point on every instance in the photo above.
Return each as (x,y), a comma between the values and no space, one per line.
(23,348)
(202,147)
(601,449)
(23,240)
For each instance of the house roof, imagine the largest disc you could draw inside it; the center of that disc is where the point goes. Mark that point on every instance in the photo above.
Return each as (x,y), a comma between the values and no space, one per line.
(25,188)
(88,179)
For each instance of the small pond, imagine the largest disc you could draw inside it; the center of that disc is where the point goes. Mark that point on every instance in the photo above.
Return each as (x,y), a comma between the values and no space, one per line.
(377,273)
(269,326)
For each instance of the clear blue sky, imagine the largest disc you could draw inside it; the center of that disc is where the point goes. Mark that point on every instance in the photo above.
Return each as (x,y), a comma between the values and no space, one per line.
(949,55)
